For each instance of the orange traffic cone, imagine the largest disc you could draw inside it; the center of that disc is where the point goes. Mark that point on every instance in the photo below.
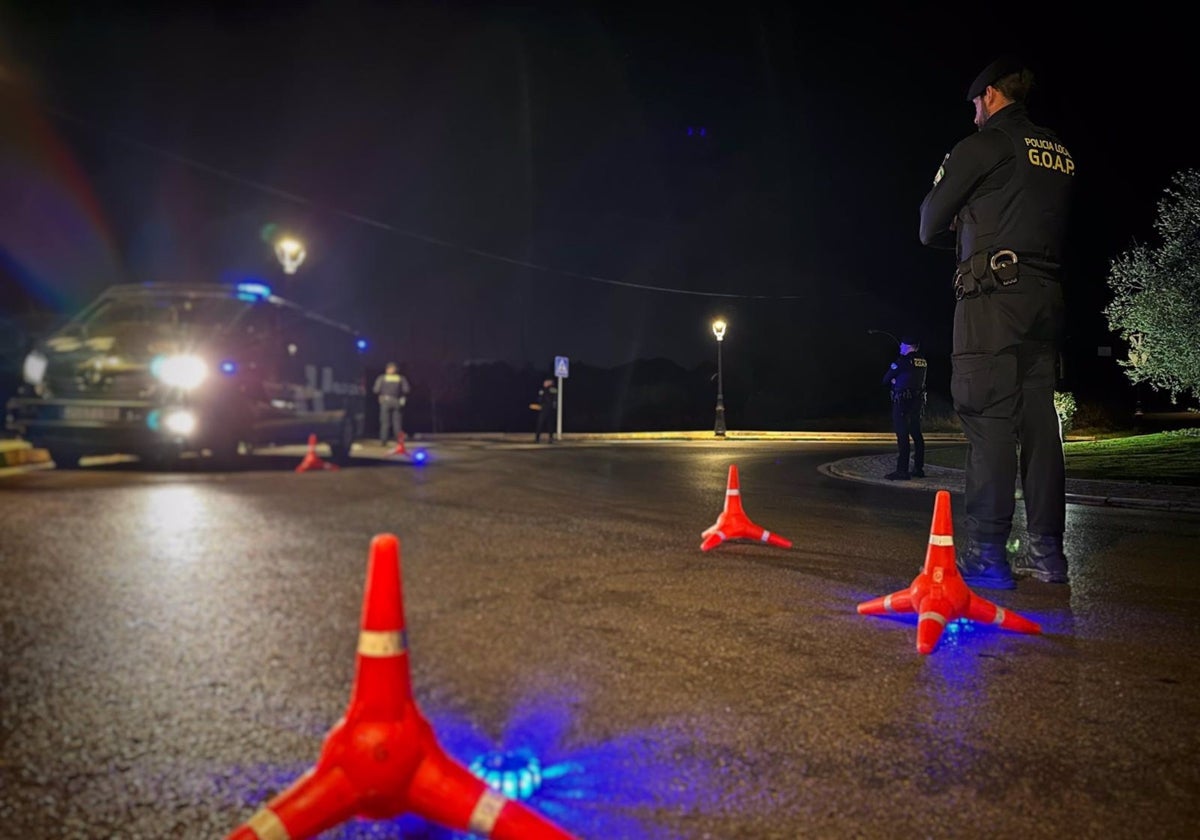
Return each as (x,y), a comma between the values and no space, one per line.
(399,450)
(382,758)
(733,524)
(939,595)
(312,461)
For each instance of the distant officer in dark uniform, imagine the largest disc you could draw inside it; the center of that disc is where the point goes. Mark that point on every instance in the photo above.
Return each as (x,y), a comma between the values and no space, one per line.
(906,378)
(1001,198)
(547,417)
(392,388)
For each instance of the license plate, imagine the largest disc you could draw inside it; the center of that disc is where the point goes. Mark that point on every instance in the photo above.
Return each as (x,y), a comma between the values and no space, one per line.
(93,413)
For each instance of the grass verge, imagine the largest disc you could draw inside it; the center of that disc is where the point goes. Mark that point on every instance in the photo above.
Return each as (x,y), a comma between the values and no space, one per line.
(1161,458)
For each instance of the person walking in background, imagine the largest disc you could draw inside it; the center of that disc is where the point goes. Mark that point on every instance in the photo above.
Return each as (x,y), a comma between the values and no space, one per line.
(547,402)
(392,388)
(906,378)
(1001,198)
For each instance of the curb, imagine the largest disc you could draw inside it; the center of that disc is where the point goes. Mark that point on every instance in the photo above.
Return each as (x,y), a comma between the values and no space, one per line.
(1131,502)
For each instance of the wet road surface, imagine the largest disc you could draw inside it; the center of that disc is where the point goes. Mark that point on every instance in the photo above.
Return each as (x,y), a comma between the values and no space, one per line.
(175,646)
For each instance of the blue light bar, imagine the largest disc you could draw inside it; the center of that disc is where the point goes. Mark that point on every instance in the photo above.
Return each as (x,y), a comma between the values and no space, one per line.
(253,291)
(228,366)
(361,344)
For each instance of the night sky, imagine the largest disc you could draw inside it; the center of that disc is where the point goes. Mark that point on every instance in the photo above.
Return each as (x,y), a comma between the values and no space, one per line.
(515,182)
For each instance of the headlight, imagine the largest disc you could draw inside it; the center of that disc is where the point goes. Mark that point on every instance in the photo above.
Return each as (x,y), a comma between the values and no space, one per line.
(34,368)
(180,422)
(184,371)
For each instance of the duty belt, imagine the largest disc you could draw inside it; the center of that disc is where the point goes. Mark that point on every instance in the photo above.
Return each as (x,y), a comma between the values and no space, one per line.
(984,273)
(906,394)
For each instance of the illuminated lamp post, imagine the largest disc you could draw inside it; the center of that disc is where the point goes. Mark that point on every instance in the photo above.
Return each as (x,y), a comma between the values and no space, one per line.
(718,328)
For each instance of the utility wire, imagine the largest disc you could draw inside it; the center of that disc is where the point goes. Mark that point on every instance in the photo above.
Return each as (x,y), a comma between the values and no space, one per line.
(295,198)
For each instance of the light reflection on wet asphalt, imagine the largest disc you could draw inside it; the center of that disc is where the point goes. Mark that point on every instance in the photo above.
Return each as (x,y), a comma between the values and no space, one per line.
(175,646)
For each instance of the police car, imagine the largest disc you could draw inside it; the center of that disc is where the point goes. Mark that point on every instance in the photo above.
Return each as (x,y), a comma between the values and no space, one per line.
(162,369)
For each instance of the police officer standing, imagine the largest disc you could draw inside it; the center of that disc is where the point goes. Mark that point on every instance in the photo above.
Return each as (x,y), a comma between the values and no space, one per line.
(547,417)
(1001,199)
(392,388)
(906,377)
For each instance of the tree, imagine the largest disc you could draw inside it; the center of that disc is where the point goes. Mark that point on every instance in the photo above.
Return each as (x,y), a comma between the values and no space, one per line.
(1156,303)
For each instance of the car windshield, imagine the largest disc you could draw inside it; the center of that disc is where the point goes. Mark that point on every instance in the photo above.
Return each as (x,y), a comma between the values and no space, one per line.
(160,309)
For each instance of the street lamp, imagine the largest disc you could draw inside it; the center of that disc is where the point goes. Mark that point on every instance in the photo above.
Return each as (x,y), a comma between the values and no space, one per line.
(290,252)
(718,328)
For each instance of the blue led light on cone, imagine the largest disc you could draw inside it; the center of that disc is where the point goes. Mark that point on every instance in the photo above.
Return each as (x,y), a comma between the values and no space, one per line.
(516,774)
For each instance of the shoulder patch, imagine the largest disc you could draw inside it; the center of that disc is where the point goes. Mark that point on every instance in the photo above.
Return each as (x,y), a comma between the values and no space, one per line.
(941,170)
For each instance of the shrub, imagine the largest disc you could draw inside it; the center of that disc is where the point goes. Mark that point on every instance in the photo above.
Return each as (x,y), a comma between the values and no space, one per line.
(940,415)
(1064,405)
(1102,418)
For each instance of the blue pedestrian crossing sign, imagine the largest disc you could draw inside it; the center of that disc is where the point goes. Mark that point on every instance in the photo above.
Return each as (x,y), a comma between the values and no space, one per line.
(562,366)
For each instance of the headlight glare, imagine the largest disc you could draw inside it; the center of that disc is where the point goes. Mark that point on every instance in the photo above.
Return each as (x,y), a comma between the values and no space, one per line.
(180,422)
(34,368)
(182,371)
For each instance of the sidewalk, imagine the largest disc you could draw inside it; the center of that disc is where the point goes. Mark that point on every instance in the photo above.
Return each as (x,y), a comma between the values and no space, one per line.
(871,469)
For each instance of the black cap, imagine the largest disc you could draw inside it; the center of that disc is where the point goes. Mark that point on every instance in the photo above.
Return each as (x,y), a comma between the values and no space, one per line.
(998,69)
(910,339)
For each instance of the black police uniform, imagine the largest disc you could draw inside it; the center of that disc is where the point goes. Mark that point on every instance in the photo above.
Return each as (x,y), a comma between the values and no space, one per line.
(1003,195)
(393,390)
(548,414)
(906,377)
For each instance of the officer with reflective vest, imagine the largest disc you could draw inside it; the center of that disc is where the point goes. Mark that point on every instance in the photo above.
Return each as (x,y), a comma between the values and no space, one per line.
(1001,198)
(906,378)
(392,388)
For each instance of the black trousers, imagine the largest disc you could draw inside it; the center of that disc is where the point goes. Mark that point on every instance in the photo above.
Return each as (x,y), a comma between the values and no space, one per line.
(906,422)
(546,422)
(1003,373)
(391,422)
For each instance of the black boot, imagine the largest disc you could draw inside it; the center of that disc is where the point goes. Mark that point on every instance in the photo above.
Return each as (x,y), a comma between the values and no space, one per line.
(1043,559)
(985,564)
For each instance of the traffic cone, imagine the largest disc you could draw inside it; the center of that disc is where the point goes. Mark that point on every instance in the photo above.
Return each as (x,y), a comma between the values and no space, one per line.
(312,461)
(733,524)
(382,759)
(399,450)
(939,595)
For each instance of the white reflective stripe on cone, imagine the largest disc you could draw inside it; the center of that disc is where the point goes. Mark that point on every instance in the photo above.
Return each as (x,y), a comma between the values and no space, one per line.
(267,825)
(381,644)
(486,812)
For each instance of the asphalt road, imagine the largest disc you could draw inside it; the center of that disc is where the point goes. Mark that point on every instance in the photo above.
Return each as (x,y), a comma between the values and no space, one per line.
(174,647)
